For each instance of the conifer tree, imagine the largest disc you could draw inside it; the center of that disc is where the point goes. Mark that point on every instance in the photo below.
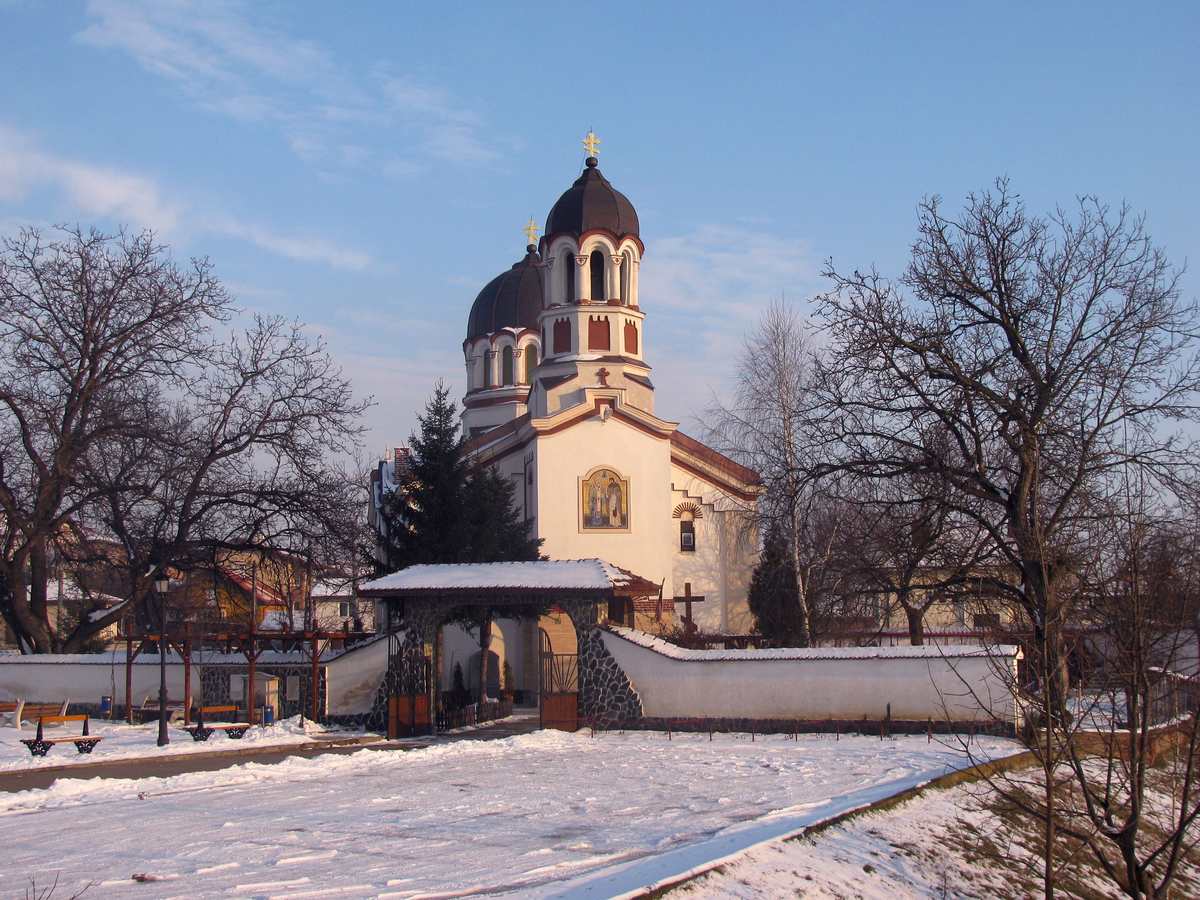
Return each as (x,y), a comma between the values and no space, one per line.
(772,597)
(424,514)
(496,528)
(445,511)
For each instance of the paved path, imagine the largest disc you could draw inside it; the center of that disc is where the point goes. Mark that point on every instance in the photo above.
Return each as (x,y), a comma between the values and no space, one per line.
(181,763)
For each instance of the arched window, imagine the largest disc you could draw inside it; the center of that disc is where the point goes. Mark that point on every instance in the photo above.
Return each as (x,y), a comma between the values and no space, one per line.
(568,264)
(597,268)
(506,365)
(531,362)
(626,277)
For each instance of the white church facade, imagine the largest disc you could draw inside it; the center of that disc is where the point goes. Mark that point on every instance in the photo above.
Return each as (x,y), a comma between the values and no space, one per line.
(560,399)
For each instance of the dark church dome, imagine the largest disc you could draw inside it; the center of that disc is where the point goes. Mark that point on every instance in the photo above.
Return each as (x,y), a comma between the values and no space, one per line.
(592,203)
(512,299)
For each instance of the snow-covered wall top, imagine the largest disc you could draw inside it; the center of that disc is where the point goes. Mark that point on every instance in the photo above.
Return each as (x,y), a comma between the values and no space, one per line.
(944,651)
(577,574)
(963,684)
(199,658)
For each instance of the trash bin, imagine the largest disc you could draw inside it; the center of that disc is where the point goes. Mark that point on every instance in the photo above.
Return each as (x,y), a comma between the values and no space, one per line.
(106,707)
(268,715)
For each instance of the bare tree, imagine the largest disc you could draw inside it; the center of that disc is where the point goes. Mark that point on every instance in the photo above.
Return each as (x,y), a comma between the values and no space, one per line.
(916,551)
(1027,365)
(1041,355)
(87,323)
(772,427)
(1116,780)
(247,459)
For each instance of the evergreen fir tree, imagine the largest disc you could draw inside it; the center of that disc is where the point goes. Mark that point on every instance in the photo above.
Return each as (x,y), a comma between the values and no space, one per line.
(772,597)
(442,510)
(424,514)
(497,531)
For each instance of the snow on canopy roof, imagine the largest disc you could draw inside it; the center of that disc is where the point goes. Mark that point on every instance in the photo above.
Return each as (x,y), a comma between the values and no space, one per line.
(542,574)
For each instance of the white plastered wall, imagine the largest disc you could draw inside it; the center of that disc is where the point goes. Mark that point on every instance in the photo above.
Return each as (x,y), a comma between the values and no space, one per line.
(968,688)
(724,558)
(85,678)
(563,458)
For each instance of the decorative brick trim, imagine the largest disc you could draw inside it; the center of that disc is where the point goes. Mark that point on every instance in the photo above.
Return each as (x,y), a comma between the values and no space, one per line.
(687,507)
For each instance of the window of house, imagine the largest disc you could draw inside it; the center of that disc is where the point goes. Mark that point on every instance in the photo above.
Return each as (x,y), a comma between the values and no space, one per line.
(343,609)
(987,621)
(568,260)
(292,689)
(687,535)
(597,268)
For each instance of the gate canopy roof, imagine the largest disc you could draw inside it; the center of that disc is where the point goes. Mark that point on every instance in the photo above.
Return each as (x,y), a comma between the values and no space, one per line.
(552,576)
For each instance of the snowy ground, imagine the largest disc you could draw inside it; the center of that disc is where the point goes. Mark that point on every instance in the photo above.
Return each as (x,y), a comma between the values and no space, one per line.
(542,814)
(123,741)
(949,843)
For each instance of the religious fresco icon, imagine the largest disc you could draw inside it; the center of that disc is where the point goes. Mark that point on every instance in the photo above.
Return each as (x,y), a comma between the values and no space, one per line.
(604,501)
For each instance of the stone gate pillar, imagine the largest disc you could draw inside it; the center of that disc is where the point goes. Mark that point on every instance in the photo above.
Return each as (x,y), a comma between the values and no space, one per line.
(605,695)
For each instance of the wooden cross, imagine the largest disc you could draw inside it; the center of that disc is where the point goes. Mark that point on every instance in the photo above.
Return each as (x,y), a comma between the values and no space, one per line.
(688,599)
(603,376)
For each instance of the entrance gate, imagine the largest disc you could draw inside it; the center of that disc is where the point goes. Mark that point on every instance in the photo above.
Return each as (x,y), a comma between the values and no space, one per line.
(408,686)
(558,688)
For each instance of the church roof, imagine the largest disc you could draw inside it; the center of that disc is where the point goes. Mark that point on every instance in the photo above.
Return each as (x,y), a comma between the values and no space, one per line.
(592,203)
(512,299)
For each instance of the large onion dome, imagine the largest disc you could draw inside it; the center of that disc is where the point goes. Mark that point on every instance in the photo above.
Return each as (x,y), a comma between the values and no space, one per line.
(512,299)
(592,203)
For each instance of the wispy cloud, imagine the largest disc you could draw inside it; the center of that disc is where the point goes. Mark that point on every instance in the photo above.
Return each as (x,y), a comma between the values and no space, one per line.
(95,191)
(306,248)
(226,57)
(702,292)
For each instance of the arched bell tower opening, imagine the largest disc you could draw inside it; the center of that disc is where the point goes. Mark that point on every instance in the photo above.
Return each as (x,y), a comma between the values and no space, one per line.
(596,271)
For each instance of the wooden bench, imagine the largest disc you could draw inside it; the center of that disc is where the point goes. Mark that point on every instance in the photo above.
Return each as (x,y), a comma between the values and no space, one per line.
(202,732)
(29,711)
(40,745)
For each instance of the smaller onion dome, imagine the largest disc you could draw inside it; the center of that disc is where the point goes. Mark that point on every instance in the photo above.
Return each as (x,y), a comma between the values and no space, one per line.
(512,299)
(592,203)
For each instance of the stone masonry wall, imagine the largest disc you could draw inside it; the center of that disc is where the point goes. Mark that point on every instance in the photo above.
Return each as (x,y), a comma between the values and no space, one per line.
(608,697)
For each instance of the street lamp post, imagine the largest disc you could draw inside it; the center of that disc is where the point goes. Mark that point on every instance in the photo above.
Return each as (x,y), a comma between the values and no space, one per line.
(161,584)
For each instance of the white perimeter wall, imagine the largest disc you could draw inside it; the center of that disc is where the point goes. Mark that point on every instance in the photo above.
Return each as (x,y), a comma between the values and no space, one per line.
(85,678)
(353,679)
(806,684)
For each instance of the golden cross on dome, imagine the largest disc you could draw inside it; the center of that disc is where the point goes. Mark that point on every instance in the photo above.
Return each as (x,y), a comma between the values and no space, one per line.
(591,143)
(531,232)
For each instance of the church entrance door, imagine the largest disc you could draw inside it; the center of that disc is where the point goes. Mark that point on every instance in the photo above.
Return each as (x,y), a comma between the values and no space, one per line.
(558,687)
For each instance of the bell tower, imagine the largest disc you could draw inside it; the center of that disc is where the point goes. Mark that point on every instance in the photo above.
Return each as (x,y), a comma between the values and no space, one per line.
(591,320)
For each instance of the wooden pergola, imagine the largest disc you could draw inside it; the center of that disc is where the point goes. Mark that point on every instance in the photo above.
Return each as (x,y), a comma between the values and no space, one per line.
(249,642)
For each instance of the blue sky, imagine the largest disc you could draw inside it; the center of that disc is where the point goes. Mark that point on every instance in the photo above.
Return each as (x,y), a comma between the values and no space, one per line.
(367,168)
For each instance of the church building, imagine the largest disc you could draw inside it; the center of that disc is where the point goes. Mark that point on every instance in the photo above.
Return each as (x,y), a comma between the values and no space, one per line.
(560,398)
